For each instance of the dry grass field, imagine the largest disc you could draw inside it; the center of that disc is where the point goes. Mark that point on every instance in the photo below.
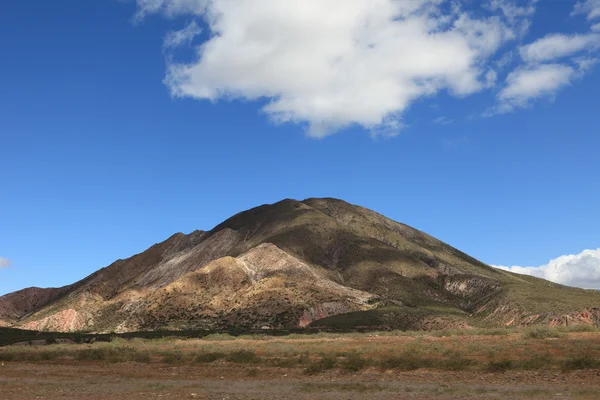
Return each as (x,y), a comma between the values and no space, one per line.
(537,363)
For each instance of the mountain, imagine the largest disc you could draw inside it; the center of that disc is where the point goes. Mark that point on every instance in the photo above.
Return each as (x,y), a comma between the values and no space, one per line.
(317,262)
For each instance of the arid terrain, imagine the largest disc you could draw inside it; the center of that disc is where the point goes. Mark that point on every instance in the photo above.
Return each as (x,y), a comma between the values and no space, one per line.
(538,363)
(293,264)
(200,316)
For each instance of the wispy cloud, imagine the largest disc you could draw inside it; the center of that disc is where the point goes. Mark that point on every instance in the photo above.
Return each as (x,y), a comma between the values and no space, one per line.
(591,8)
(175,39)
(443,121)
(549,64)
(171,8)
(556,46)
(4,263)
(531,83)
(579,270)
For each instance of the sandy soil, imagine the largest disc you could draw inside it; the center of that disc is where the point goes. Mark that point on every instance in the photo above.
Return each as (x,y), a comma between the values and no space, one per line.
(221,381)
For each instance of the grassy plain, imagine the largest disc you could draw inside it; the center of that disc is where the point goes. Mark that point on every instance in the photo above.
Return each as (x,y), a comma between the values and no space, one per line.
(539,362)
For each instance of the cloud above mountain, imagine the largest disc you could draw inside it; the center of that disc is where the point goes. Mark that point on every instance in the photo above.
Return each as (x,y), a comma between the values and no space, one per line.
(579,270)
(332,64)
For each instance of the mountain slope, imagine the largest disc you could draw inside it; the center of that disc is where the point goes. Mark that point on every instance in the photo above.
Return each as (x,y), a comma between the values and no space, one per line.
(293,263)
(14,306)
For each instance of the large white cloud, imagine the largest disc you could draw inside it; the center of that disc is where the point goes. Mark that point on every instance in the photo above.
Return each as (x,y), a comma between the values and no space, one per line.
(579,270)
(4,263)
(334,63)
(329,64)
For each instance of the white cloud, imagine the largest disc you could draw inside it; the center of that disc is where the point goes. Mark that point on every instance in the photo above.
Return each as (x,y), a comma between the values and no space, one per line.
(580,270)
(337,63)
(184,36)
(511,10)
(530,83)
(171,8)
(331,64)
(585,63)
(556,46)
(4,263)
(538,77)
(504,60)
(591,8)
(443,121)
(518,16)
(596,27)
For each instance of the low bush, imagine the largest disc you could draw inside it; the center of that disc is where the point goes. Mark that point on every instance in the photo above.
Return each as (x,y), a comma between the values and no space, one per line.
(242,356)
(404,362)
(581,362)
(454,363)
(172,357)
(113,355)
(208,357)
(354,362)
(538,361)
(499,366)
(320,365)
(542,332)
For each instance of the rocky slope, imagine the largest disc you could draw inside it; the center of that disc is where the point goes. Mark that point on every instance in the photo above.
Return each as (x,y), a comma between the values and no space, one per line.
(16,305)
(295,263)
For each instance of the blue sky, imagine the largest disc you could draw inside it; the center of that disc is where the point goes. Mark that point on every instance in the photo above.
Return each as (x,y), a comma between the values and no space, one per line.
(122,123)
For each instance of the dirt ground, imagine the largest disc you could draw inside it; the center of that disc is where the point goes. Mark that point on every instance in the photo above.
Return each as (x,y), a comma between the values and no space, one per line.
(69,377)
(130,380)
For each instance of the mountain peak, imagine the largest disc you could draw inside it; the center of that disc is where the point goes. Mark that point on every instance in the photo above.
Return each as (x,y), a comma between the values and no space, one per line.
(293,263)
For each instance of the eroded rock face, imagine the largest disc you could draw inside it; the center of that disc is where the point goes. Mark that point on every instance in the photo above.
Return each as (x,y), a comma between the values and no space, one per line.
(262,287)
(512,315)
(325,310)
(68,320)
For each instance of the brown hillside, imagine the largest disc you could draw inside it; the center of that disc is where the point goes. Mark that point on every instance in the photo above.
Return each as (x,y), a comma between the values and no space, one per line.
(318,261)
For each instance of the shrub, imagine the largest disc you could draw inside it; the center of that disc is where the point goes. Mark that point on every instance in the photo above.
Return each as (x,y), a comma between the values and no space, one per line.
(323,364)
(538,361)
(581,362)
(404,363)
(455,363)
(113,355)
(219,336)
(7,356)
(92,354)
(208,357)
(542,332)
(581,328)
(354,362)
(499,366)
(172,357)
(242,356)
